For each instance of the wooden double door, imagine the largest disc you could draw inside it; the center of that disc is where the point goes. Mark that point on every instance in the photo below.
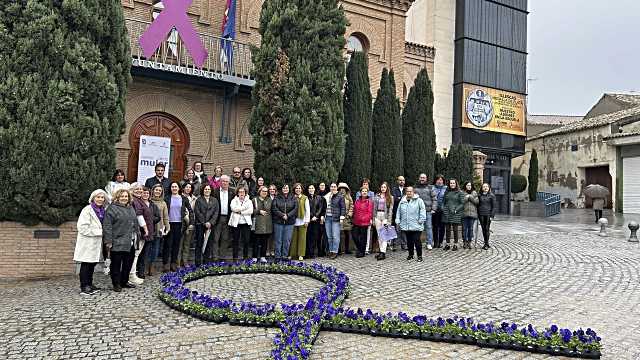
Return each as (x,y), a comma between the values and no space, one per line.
(162,125)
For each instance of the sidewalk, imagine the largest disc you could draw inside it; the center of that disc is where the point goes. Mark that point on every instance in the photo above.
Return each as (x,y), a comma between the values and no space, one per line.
(569,220)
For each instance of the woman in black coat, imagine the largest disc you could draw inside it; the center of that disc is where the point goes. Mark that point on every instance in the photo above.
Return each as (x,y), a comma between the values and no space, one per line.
(486,212)
(206,216)
(317,208)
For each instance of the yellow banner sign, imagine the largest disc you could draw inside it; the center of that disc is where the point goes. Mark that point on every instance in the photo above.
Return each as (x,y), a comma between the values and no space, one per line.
(489,109)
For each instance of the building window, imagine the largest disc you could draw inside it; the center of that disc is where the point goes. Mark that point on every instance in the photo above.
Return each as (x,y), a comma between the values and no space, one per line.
(172,39)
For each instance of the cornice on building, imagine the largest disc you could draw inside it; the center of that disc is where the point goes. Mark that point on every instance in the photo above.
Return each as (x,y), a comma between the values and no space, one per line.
(403,5)
(428,52)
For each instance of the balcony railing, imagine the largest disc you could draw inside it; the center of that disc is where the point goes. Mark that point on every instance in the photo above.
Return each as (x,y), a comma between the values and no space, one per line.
(173,56)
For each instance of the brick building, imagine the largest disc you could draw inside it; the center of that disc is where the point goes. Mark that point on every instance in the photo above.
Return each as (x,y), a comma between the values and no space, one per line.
(206,115)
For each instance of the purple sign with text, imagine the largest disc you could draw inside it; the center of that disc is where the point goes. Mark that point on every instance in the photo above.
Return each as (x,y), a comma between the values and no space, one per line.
(174,15)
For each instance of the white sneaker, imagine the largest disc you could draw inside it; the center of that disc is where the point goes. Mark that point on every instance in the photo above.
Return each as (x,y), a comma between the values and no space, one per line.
(133,278)
(300,258)
(263,260)
(254,260)
(429,247)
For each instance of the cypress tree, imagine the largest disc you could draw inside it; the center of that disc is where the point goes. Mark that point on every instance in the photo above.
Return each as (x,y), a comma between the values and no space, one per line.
(357,122)
(459,163)
(63,80)
(387,154)
(533,176)
(419,137)
(439,165)
(297,122)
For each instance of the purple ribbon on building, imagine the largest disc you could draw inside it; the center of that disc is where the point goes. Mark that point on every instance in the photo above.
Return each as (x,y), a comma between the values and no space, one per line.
(173,15)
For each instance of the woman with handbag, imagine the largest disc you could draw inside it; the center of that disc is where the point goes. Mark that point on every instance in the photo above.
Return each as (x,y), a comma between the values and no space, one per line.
(262,224)
(240,223)
(89,240)
(383,217)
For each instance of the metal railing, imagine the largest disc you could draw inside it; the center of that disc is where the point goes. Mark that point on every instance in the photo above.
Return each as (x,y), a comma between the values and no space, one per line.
(174,54)
(551,201)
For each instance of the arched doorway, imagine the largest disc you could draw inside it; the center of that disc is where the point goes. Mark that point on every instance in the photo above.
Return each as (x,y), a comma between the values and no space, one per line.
(163,125)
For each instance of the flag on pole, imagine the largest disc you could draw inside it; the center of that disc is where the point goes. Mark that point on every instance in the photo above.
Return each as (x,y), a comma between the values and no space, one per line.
(228,35)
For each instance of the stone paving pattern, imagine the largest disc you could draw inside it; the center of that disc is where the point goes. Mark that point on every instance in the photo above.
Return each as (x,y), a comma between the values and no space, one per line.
(571,279)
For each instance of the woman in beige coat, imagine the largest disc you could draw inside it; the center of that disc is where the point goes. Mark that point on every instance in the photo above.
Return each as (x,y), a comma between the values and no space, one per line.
(162,228)
(88,249)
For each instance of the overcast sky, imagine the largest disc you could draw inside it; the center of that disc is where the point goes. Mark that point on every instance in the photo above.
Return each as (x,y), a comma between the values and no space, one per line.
(580,49)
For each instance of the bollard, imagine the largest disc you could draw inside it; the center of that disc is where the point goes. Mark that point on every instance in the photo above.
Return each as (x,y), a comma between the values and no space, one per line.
(603,226)
(633,226)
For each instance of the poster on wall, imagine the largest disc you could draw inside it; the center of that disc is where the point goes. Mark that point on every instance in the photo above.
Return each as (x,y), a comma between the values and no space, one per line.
(493,110)
(497,185)
(153,150)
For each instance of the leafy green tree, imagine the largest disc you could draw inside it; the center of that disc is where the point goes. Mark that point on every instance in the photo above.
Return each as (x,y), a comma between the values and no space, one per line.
(418,132)
(533,176)
(64,74)
(439,165)
(387,153)
(357,122)
(297,119)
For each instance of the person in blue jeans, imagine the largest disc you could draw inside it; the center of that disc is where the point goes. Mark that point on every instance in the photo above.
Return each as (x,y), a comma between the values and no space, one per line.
(334,215)
(428,196)
(470,214)
(284,209)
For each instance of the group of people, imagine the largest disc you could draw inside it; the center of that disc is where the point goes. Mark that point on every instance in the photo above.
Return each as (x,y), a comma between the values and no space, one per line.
(130,224)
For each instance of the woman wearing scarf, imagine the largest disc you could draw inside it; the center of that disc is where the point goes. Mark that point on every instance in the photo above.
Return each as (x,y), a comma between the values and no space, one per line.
(162,228)
(89,241)
(214,181)
(202,178)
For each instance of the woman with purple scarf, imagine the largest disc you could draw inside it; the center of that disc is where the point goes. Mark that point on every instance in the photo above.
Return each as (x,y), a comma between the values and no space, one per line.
(89,241)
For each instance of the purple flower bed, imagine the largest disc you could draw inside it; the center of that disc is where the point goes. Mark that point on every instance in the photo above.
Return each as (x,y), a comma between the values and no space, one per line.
(300,324)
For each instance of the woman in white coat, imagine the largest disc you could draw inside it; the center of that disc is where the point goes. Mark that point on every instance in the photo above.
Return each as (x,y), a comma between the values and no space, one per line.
(89,241)
(240,223)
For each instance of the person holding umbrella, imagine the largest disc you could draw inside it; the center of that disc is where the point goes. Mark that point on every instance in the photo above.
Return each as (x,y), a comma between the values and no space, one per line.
(598,194)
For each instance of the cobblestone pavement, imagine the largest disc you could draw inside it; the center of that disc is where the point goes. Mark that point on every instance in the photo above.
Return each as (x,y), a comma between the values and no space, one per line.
(571,279)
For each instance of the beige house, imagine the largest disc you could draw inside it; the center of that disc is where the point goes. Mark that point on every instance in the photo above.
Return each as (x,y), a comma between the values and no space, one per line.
(602,148)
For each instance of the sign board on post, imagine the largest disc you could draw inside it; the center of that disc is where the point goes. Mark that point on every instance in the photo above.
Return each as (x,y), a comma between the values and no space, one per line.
(153,150)
(495,110)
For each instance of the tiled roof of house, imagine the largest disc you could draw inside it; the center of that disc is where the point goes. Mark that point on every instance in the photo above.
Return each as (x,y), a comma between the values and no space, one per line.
(622,134)
(593,122)
(631,99)
(552,119)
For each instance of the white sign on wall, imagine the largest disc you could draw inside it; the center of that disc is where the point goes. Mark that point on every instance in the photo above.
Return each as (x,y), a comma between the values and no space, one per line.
(153,150)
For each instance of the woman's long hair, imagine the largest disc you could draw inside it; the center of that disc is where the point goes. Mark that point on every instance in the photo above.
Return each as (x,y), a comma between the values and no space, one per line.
(119,172)
(387,195)
(465,187)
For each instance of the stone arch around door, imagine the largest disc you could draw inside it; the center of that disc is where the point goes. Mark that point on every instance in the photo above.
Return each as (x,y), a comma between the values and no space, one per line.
(163,125)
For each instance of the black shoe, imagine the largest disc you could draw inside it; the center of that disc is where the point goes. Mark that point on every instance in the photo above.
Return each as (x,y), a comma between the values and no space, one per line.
(117,288)
(410,257)
(128,286)
(87,291)
(381,256)
(485,247)
(359,255)
(446,247)
(454,248)
(419,258)
(95,288)
(140,275)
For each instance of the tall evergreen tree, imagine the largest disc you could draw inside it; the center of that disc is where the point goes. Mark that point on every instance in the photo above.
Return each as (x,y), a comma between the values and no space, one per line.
(440,165)
(387,154)
(459,163)
(64,74)
(533,176)
(418,132)
(357,122)
(297,122)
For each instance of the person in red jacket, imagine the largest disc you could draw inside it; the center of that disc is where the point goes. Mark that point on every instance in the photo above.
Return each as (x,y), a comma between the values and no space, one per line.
(362,219)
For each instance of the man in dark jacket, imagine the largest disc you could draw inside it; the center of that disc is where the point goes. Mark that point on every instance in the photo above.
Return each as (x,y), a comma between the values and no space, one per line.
(425,191)
(398,192)
(159,179)
(223,195)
